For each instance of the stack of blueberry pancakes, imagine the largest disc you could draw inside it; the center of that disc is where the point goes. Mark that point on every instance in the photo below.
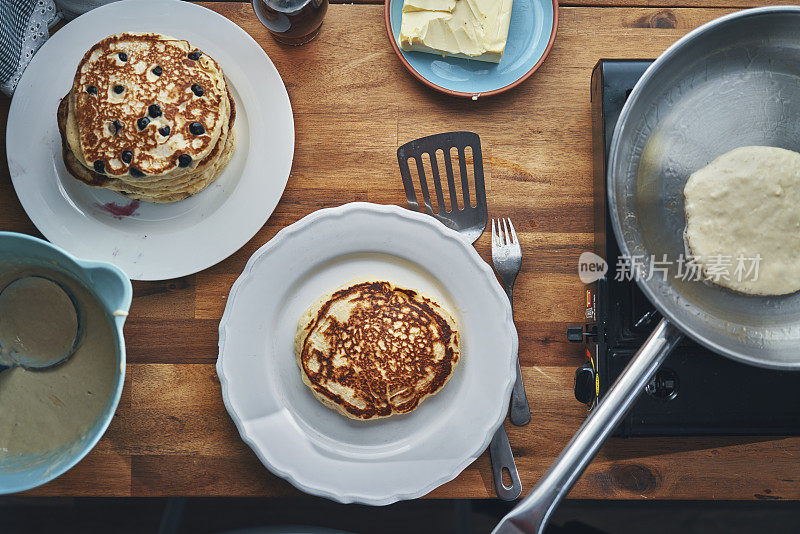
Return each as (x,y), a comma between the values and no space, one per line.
(148,116)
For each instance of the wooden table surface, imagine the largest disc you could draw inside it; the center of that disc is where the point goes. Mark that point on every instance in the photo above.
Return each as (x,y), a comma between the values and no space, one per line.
(354,104)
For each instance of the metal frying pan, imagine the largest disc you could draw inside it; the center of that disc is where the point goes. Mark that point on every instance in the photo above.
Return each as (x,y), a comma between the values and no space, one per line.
(732,82)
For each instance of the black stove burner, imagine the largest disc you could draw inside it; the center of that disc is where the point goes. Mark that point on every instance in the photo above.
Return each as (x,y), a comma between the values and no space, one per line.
(696,392)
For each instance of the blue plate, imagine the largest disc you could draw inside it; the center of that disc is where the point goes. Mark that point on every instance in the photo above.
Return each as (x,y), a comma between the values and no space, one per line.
(530,36)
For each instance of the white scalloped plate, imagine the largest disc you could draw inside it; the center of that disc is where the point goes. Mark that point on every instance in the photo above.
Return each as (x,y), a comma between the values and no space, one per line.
(152,241)
(316,449)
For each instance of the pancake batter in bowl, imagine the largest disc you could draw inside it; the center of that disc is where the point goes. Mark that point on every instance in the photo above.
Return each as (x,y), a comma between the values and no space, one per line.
(44,411)
(39,323)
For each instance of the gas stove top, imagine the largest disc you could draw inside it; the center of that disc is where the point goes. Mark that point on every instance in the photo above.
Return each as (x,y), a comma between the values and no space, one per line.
(696,392)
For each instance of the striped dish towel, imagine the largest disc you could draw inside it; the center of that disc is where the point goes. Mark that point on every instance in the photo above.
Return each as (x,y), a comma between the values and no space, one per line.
(23,29)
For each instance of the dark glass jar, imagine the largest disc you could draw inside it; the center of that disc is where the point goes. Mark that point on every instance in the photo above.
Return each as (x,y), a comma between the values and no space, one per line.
(293,22)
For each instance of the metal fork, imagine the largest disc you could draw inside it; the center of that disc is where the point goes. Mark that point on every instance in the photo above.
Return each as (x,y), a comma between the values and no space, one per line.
(507,259)
(470,221)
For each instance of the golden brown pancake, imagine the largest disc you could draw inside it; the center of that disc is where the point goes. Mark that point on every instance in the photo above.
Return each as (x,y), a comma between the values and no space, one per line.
(149,116)
(178,188)
(163,100)
(372,349)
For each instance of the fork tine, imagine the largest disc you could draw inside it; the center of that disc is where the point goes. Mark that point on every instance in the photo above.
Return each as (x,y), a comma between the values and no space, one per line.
(506,235)
(514,238)
(423,182)
(500,234)
(437,182)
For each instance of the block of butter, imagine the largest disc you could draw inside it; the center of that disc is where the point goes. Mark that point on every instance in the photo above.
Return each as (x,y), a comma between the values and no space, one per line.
(472,29)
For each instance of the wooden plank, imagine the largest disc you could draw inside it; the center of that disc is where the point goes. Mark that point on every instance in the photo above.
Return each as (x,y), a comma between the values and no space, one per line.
(353,105)
(181,441)
(171,340)
(97,475)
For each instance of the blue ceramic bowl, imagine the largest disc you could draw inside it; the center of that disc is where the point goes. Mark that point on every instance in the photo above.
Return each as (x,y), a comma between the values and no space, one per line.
(530,36)
(113,289)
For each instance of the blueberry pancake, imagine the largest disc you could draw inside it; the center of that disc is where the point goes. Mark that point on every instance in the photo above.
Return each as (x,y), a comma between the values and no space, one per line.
(148,116)
(151,189)
(372,349)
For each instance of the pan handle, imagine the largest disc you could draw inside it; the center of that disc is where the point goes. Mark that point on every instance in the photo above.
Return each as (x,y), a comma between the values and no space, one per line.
(531,515)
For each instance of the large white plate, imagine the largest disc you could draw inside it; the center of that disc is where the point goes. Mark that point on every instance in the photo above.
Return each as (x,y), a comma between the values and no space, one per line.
(156,241)
(317,449)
